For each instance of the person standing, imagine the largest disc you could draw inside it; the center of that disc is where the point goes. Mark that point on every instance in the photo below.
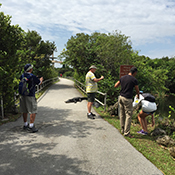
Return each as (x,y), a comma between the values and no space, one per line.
(91,89)
(127,82)
(28,103)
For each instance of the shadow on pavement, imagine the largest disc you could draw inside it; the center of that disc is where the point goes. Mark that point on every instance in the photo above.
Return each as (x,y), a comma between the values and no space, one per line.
(22,161)
(36,153)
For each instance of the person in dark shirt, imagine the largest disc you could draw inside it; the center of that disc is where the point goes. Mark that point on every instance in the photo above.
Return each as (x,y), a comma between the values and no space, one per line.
(127,82)
(28,104)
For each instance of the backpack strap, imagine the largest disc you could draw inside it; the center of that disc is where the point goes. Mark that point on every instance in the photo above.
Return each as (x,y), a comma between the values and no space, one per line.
(28,77)
(22,76)
(141,97)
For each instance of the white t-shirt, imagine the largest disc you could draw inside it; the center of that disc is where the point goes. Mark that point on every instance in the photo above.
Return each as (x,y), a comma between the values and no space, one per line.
(147,106)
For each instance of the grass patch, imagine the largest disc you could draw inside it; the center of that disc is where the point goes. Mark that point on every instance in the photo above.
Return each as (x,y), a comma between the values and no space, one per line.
(146,145)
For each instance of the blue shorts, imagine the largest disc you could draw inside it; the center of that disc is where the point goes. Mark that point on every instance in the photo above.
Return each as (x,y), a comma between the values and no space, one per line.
(148,112)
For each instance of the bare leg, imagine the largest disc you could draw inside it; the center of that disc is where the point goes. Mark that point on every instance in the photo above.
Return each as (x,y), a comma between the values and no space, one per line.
(32,118)
(25,117)
(31,126)
(142,119)
(145,124)
(89,106)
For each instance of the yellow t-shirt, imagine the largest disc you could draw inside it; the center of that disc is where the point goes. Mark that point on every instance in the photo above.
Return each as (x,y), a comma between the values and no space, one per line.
(91,86)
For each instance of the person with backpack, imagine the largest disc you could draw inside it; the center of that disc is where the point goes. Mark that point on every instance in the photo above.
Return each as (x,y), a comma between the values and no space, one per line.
(28,103)
(148,107)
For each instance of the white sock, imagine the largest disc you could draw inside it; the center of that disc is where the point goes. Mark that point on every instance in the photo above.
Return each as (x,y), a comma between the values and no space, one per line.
(31,125)
(89,113)
(25,123)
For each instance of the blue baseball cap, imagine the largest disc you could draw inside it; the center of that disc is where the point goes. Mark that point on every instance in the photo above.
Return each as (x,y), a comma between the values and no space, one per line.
(27,67)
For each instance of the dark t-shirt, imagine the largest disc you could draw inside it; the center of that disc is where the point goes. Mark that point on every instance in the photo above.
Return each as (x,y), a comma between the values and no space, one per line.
(127,82)
(33,81)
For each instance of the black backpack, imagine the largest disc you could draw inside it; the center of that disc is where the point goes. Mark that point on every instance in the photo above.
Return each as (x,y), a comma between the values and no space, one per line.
(148,97)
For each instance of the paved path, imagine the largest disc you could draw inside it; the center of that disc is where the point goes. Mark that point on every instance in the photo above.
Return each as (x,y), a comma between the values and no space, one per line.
(68,143)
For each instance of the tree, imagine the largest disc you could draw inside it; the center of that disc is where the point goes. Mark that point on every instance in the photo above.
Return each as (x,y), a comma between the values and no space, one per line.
(106,51)
(167,66)
(18,48)
(37,52)
(11,38)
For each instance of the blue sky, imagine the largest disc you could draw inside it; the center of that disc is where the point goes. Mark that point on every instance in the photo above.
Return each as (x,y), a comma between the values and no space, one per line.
(150,24)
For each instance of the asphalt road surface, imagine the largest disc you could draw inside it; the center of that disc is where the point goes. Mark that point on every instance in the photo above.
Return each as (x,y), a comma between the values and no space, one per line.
(68,143)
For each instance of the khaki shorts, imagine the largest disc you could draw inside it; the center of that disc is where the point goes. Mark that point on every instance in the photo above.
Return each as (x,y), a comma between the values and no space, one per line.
(28,104)
(91,97)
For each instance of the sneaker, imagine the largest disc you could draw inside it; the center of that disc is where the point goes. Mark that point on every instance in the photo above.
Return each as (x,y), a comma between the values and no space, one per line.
(142,132)
(93,114)
(139,132)
(130,136)
(90,116)
(33,129)
(25,127)
(145,133)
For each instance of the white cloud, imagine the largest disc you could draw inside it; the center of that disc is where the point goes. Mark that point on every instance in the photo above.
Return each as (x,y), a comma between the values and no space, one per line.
(145,21)
(157,53)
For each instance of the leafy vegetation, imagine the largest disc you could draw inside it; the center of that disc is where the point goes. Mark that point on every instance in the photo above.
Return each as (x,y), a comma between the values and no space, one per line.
(18,48)
(168,123)
(65,71)
(108,52)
